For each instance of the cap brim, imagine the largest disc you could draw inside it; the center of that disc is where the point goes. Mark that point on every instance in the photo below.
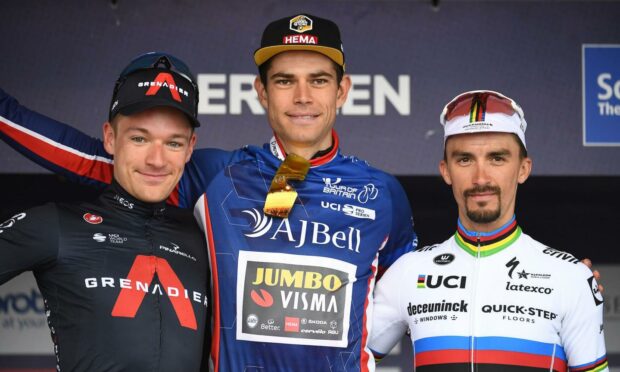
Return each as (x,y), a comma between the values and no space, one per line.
(263,54)
(134,108)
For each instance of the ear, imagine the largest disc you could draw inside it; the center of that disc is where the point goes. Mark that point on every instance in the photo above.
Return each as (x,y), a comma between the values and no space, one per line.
(192,143)
(525,169)
(108,137)
(343,91)
(261,91)
(445,173)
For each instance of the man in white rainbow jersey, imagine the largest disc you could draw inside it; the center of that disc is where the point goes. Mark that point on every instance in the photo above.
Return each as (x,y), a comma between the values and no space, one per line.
(490,298)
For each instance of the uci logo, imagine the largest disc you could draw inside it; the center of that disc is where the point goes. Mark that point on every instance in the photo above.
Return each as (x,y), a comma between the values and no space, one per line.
(431,281)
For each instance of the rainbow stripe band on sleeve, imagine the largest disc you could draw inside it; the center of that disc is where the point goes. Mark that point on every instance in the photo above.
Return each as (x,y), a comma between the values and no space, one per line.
(596,366)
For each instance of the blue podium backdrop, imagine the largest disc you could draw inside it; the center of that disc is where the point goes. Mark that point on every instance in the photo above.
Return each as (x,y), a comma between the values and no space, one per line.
(406,58)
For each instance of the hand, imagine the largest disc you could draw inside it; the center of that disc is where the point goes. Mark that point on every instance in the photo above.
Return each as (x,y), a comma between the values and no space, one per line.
(597,275)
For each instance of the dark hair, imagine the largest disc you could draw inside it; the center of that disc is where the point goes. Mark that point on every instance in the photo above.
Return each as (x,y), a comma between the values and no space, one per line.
(264,68)
(522,149)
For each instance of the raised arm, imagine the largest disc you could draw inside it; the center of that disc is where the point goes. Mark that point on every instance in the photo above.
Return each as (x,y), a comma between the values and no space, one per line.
(55,146)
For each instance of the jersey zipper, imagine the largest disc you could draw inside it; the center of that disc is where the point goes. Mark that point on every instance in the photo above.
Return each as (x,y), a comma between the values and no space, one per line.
(472,321)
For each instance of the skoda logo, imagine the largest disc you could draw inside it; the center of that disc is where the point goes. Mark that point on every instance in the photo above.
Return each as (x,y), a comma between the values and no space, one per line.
(443,259)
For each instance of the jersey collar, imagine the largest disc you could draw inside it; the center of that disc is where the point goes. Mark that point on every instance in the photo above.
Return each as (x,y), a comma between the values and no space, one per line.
(488,243)
(320,158)
(116,198)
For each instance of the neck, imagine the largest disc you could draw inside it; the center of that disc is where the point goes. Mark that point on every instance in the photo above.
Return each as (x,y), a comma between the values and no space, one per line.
(309,152)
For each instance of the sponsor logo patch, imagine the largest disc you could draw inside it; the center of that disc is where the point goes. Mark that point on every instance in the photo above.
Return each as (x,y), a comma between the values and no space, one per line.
(522,274)
(300,24)
(302,232)
(92,219)
(443,259)
(350,210)
(11,221)
(596,294)
(139,283)
(303,300)
(363,195)
(519,313)
(527,288)
(561,255)
(176,251)
(436,281)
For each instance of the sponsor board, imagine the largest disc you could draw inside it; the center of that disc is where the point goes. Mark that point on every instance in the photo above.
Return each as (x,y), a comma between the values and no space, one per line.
(292,299)
(23,324)
(601,94)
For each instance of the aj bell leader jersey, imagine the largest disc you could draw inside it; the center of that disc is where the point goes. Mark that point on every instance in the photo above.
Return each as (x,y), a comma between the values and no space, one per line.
(289,294)
(124,282)
(497,301)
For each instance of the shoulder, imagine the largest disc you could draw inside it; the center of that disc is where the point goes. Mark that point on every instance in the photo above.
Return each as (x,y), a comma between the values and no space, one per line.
(438,253)
(181,216)
(211,155)
(548,254)
(563,264)
(38,219)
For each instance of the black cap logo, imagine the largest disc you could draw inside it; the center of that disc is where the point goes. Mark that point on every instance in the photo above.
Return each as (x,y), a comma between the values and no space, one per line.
(300,24)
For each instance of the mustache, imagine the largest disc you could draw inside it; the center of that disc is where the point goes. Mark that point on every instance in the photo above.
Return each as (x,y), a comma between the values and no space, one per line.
(482,189)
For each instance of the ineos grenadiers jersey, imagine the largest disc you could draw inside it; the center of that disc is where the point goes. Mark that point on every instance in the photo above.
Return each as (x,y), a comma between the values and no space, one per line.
(124,282)
(497,301)
(291,294)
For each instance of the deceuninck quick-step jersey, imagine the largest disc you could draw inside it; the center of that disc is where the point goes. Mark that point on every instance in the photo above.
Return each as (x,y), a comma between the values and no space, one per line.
(497,301)
(292,294)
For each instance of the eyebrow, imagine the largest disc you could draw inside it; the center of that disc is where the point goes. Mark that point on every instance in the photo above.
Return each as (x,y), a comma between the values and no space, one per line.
(500,152)
(284,75)
(145,131)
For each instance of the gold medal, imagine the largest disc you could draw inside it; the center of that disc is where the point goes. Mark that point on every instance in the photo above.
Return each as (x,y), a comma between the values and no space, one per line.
(281,196)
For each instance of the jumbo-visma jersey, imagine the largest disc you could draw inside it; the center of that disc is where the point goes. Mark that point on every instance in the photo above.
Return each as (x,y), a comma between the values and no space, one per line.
(296,293)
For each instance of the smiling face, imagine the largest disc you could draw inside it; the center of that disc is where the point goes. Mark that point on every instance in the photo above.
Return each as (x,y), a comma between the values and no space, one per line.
(484,170)
(301,97)
(150,151)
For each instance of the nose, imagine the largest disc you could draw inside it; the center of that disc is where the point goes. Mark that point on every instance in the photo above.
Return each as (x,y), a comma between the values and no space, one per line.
(303,93)
(155,156)
(481,174)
